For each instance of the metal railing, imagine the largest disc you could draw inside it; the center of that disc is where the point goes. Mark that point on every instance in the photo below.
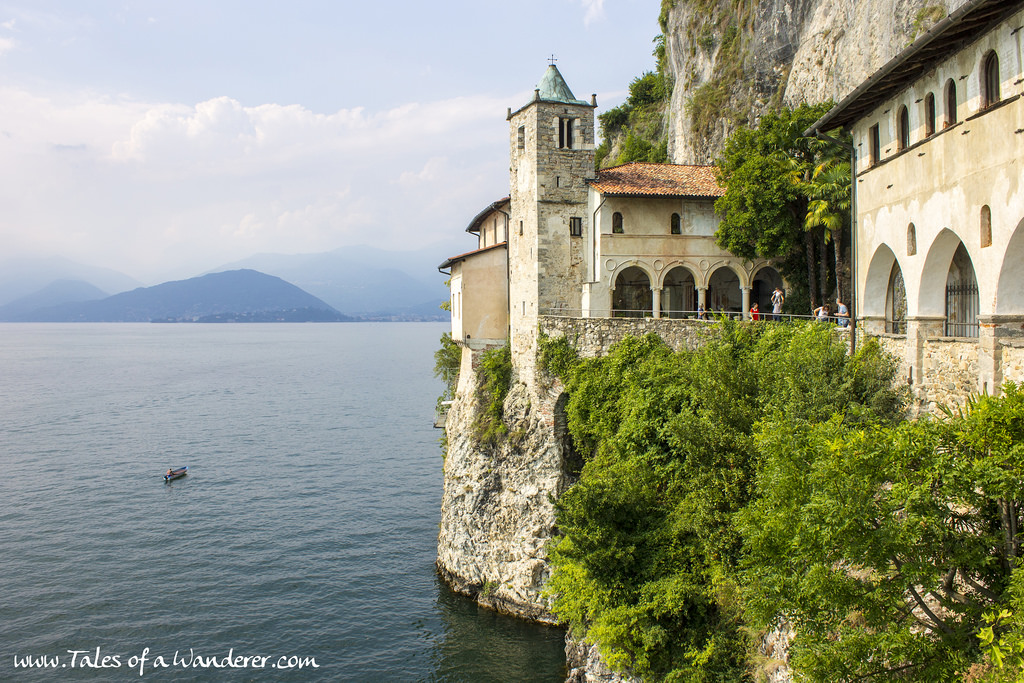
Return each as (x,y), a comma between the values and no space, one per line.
(709,316)
(962,304)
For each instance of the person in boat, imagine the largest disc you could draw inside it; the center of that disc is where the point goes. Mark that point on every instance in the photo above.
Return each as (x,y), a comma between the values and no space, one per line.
(169,471)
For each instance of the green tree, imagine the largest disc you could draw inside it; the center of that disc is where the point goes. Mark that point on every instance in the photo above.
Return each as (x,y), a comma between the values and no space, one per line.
(768,175)
(887,545)
(648,557)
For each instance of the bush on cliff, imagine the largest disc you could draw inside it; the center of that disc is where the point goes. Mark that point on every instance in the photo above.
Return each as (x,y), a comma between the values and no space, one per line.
(495,379)
(648,561)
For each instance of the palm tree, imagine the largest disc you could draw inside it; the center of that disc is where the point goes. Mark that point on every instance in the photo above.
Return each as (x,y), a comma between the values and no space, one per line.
(829,209)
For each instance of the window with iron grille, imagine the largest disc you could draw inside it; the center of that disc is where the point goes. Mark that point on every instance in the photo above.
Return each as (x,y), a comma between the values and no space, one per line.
(576,226)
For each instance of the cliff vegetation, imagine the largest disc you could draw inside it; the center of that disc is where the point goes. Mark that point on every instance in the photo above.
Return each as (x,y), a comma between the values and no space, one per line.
(769,475)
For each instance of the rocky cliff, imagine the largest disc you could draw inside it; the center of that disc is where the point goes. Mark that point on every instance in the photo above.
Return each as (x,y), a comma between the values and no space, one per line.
(497,511)
(733,60)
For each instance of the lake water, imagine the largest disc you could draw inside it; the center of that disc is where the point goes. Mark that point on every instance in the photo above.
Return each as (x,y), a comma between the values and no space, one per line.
(305,530)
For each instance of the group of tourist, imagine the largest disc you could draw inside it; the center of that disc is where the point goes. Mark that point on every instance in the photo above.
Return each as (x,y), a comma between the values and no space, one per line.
(841,316)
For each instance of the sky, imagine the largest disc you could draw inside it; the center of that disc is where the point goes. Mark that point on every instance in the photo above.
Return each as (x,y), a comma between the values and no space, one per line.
(162,138)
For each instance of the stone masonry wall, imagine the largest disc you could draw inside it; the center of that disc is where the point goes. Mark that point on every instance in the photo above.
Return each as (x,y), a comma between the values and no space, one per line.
(592,337)
(950,373)
(1013,361)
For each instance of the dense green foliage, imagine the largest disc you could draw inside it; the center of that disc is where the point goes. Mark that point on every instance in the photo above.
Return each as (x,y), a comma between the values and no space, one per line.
(649,556)
(787,199)
(769,475)
(887,545)
(1002,637)
(495,380)
(447,360)
(556,356)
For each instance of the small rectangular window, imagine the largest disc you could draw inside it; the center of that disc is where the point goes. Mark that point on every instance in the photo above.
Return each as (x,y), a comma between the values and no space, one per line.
(522,137)
(875,145)
(576,226)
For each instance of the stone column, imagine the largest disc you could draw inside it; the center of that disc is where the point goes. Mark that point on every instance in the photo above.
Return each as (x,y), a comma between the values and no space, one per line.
(992,329)
(702,297)
(656,297)
(919,330)
(745,306)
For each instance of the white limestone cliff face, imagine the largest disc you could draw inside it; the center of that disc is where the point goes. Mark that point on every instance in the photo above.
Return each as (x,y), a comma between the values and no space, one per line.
(497,512)
(793,52)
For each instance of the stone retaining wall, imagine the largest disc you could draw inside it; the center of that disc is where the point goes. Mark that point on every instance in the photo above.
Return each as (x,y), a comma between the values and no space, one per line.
(592,337)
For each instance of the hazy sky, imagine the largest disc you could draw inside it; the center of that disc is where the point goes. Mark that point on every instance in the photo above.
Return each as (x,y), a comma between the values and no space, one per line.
(165,137)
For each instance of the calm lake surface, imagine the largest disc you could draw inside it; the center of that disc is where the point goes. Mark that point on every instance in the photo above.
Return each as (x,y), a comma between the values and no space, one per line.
(306,528)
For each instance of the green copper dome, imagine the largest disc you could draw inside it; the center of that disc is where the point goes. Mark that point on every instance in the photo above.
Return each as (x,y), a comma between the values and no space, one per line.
(553,88)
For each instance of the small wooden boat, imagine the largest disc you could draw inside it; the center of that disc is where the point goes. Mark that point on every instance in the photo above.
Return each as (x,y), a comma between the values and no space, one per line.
(176,474)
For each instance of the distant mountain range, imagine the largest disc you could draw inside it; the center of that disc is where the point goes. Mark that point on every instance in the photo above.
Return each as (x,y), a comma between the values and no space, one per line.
(233,296)
(360,282)
(366,282)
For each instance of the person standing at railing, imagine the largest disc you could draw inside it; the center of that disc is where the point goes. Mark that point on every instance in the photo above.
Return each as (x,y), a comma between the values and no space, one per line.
(755,313)
(702,314)
(821,313)
(777,299)
(842,314)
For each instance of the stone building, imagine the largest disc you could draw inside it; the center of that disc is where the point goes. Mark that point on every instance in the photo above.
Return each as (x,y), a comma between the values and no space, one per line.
(938,134)
(631,241)
(479,281)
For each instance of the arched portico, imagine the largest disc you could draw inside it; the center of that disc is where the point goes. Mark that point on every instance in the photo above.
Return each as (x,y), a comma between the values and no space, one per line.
(764,282)
(875,296)
(678,292)
(632,295)
(1009,298)
(724,290)
(948,289)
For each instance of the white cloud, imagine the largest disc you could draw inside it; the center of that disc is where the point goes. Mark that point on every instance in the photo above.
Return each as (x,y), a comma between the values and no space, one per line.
(594,11)
(6,45)
(146,187)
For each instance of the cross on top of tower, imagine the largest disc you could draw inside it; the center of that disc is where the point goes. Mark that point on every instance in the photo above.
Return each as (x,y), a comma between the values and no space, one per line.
(552,59)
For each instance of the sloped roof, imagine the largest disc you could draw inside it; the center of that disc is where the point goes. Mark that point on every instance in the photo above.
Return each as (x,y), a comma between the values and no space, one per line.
(474,225)
(553,88)
(469,254)
(658,180)
(948,35)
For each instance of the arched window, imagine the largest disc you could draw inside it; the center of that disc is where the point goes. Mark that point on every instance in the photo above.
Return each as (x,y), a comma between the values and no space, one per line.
(903,127)
(986,226)
(950,103)
(929,115)
(617,223)
(677,228)
(990,79)
(911,240)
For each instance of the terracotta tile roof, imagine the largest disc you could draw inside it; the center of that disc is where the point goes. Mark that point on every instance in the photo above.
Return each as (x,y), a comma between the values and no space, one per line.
(658,180)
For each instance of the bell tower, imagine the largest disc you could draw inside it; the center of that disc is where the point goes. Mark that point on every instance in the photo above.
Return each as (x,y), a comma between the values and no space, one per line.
(551,159)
